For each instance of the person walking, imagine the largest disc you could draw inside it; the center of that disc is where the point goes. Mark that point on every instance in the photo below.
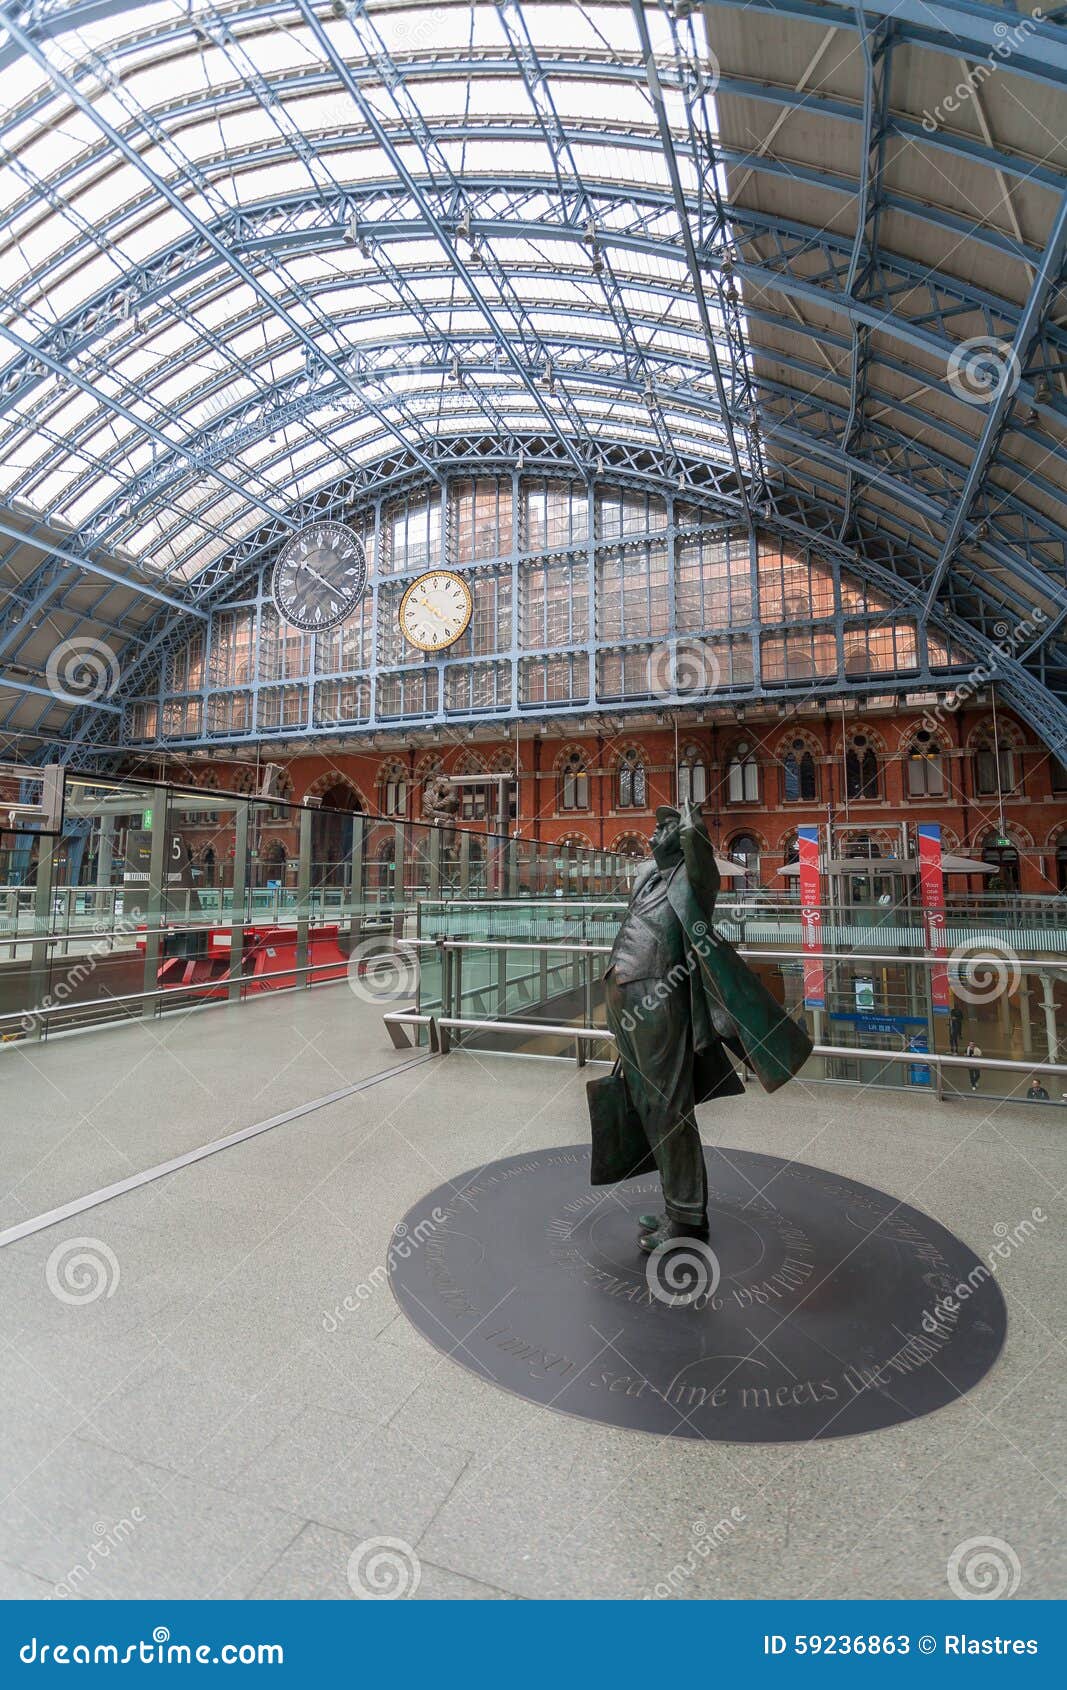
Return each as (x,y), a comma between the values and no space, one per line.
(955,1028)
(973,1074)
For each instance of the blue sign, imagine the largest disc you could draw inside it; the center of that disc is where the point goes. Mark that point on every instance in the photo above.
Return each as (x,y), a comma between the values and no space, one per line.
(918,1072)
(879,1023)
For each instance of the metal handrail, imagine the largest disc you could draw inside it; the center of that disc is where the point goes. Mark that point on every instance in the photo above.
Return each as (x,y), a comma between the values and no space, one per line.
(921,1059)
(140,931)
(927,958)
(40,1012)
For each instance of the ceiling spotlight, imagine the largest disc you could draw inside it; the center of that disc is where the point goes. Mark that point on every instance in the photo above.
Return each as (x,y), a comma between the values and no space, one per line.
(454,372)
(590,232)
(463,227)
(520,461)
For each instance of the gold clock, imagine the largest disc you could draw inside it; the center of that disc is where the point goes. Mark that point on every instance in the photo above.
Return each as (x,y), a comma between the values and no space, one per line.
(436,610)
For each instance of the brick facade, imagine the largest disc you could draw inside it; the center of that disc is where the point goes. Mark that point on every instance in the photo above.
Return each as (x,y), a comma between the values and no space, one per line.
(764,803)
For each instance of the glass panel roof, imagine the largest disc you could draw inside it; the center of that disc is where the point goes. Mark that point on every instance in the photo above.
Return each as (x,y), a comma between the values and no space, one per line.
(221,210)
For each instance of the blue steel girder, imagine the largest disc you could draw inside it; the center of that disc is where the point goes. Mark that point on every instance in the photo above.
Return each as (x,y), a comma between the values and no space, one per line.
(946,297)
(1043,294)
(125,303)
(321,177)
(62,558)
(877,59)
(604,133)
(519,325)
(812,264)
(908,557)
(954,144)
(1051,357)
(960,28)
(963,29)
(245,421)
(756,163)
(1044,538)
(171,196)
(932,472)
(382,229)
(1017,686)
(157,279)
(242,323)
(571,185)
(138,425)
(689,247)
(937,475)
(808,398)
(909,335)
(713,227)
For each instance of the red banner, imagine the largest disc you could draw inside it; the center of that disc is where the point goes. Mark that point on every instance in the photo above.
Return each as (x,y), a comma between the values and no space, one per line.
(811,918)
(932,890)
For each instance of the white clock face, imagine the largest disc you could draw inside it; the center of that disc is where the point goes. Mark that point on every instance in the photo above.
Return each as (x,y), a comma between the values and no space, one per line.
(435,610)
(319,577)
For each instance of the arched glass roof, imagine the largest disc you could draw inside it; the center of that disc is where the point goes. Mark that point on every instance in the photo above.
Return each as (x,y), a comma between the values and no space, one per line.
(811,254)
(278,259)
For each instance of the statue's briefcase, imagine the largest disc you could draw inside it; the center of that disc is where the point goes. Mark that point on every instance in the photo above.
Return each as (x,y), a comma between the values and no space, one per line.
(620,1148)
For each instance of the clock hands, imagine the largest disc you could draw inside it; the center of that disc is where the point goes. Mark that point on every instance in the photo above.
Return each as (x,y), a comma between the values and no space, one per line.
(321,579)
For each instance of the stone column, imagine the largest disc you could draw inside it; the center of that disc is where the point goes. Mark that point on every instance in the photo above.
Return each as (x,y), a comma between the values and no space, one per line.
(1024,1016)
(1048,1004)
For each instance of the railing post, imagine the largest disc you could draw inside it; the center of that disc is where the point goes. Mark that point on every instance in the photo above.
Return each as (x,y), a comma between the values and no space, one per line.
(446,995)
(501,984)
(303,890)
(457,990)
(157,899)
(399,865)
(434,888)
(237,908)
(359,833)
(587,1008)
(42,919)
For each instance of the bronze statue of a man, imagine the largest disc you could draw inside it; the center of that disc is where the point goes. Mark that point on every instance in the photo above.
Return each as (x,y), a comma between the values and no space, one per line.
(678,997)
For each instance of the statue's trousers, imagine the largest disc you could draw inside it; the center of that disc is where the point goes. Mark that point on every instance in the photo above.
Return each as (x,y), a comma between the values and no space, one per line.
(655,1045)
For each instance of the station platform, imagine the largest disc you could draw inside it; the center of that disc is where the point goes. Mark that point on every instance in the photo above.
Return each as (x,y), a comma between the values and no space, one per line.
(224,1422)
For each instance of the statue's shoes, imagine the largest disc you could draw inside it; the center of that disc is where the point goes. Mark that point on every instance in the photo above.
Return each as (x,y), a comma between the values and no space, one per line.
(651,1223)
(671,1232)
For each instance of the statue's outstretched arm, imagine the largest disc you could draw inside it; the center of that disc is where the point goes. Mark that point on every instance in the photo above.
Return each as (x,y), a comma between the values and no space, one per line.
(699,855)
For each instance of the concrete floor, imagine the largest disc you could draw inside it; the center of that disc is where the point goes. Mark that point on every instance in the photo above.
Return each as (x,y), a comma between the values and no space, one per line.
(219,1432)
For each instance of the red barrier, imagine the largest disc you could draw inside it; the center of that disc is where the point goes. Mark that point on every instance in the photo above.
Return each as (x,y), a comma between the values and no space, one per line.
(265,951)
(274,952)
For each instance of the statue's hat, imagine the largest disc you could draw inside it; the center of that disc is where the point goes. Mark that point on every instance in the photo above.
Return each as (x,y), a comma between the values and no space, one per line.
(666,813)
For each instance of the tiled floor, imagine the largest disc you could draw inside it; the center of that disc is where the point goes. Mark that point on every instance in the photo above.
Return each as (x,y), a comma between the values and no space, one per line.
(214,1422)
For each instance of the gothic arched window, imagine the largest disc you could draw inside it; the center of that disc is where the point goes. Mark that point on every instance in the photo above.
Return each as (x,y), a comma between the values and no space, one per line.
(995,767)
(861,769)
(631,781)
(742,776)
(925,769)
(801,781)
(692,776)
(574,783)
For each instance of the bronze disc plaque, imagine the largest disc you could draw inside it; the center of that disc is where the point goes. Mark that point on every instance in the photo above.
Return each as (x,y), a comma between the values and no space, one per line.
(820,1309)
